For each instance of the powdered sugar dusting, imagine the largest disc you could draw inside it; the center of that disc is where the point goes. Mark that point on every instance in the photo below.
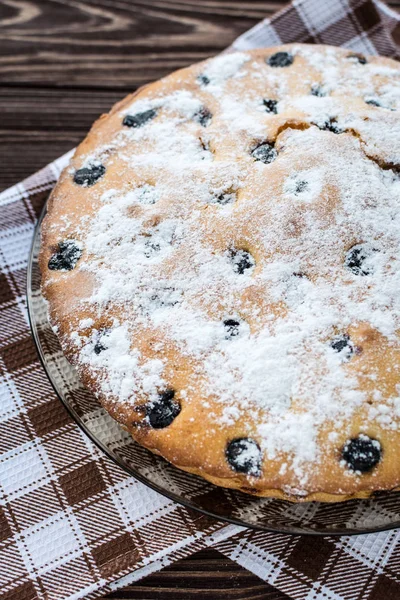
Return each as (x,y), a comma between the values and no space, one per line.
(204,233)
(127,374)
(224,67)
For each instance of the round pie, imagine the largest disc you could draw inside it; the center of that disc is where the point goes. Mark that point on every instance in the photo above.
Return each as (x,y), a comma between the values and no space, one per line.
(221,260)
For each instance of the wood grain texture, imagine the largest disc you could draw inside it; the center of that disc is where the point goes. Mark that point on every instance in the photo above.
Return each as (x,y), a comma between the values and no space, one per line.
(204,576)
(64,62)
(117,43)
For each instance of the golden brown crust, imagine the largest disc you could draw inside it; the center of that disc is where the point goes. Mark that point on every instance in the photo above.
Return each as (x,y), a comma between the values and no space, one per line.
(196,441)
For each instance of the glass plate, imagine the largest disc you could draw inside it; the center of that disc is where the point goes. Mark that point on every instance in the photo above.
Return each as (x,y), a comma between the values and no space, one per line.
(318,518)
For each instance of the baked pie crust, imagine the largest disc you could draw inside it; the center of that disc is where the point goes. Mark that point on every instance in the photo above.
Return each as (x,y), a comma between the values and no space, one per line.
(221,262)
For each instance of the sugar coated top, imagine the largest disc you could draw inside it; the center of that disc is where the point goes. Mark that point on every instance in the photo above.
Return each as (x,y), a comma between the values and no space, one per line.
(241,219)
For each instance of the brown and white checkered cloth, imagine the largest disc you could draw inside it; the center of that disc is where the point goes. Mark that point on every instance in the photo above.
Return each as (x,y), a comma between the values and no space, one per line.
(74,525)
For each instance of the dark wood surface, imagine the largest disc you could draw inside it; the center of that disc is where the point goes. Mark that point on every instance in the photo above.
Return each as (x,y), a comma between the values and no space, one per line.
(62,63)
(206,575)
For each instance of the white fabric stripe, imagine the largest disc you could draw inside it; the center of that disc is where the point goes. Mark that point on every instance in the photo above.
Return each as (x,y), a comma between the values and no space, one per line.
(393,18)
(260,36)
(318,15)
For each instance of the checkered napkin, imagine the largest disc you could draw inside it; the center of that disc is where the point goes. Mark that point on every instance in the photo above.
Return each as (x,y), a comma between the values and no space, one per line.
(74,525)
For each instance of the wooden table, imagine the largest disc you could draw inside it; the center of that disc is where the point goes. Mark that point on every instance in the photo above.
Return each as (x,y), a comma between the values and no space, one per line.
(62,63)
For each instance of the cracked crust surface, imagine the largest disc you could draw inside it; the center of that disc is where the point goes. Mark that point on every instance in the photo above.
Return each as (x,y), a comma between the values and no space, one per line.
(261,195)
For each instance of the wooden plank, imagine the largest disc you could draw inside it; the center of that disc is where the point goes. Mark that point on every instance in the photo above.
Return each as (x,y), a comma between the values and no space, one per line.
(113,44)
(38,125)
(206,575)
